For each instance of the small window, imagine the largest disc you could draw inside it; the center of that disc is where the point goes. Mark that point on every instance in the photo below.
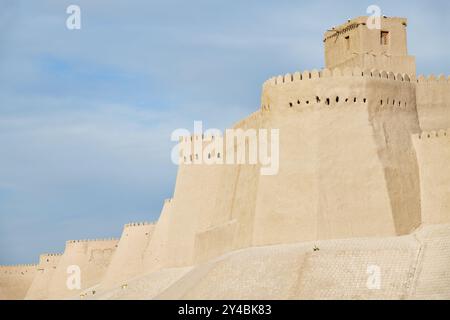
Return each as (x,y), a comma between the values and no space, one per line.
(384,38)
(347,42)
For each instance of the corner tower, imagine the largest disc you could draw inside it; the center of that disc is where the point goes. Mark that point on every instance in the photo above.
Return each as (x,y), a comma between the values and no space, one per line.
(355,44)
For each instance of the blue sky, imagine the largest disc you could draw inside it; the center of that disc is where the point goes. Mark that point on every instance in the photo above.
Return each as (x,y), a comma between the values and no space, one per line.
(86,115)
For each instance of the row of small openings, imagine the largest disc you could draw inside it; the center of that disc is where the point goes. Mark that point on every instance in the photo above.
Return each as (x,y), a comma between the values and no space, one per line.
(196,156)
(12,272)
(399,103)
(196,137)
(328,101)
(429,135)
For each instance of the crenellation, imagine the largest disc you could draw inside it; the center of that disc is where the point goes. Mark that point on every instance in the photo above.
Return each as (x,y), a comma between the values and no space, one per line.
(18,266)
(336,72)
(91,240)
(441,78)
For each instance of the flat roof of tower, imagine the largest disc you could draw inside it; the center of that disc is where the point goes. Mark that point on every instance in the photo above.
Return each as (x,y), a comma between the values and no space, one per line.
(358,21)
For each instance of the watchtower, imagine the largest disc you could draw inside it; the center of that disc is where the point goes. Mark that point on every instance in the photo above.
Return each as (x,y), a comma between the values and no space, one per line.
(361,43)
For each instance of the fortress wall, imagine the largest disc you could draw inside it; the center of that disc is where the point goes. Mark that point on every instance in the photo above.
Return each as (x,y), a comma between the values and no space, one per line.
(393,117)
(216,227)
(198,199)
(231,226)
(128,259)
(15,281)
(194,199)
(324,188)
(244,200)
(45,271)
(433,102)
(204,218)
(157,254)
(433,152)
(91,256)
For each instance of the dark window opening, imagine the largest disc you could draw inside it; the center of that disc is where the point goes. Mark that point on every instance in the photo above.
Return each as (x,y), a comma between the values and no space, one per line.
(327,102)
(384,38)
(347,42)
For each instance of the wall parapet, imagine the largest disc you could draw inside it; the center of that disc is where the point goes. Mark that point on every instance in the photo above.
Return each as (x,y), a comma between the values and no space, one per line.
(91,240)
(336,73)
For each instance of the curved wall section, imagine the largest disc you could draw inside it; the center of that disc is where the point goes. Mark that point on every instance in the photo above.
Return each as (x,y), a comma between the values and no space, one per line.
(128,259)
(433,152)
(44,273)
(347,164)
(91,256)
(433,102)
(15,281)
